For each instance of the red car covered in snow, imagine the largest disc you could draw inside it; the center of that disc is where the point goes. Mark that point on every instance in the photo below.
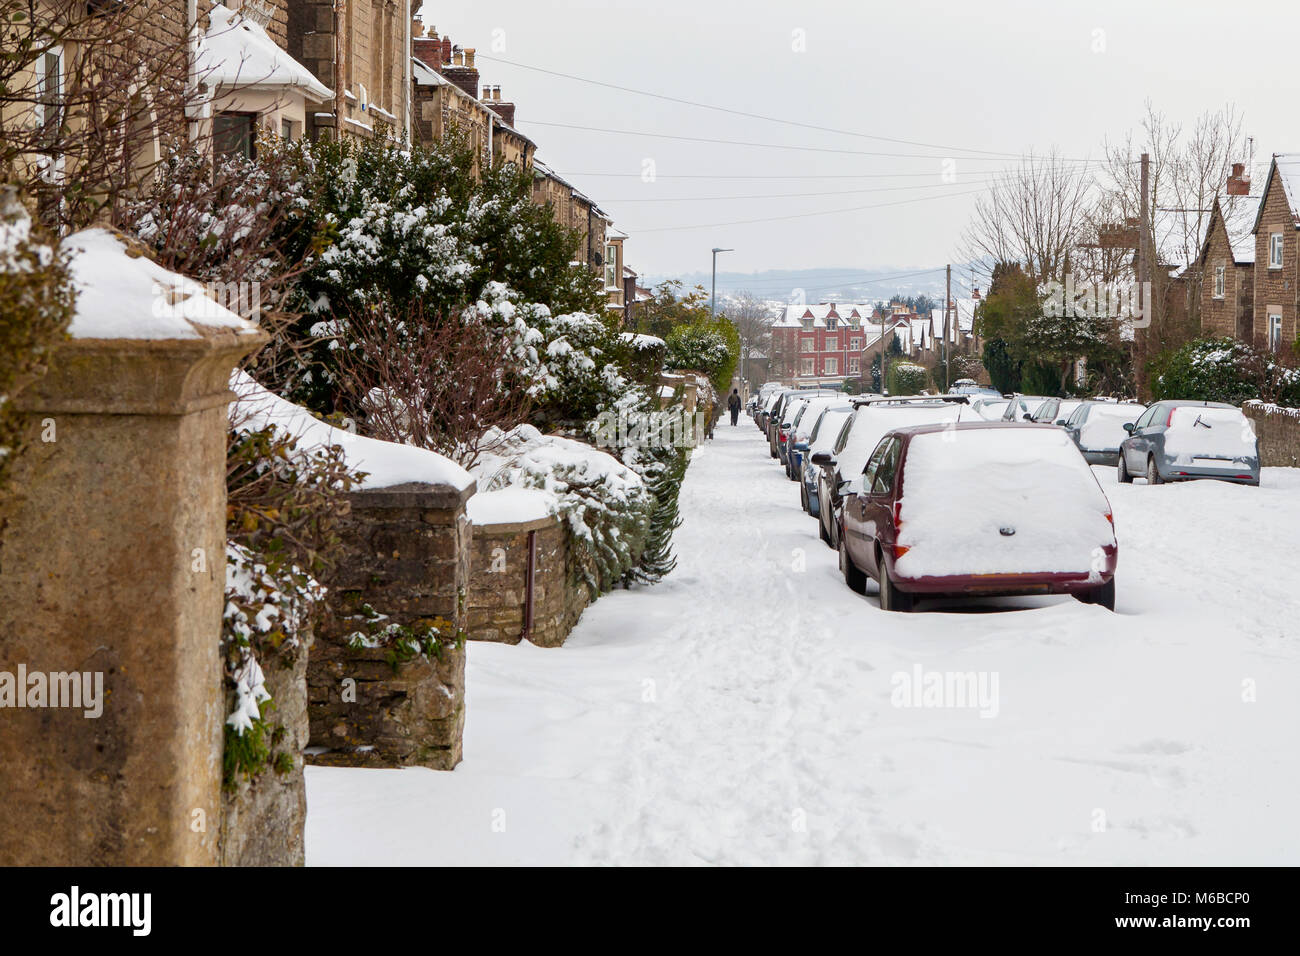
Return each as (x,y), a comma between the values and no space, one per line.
(987,508)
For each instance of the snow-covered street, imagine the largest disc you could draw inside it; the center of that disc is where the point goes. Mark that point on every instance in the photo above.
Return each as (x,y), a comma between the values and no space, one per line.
(744,710)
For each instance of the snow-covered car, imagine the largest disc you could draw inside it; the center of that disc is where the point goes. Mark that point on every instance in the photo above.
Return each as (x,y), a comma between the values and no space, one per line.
(981,508)
(1054,411)
(968,386)
(1021,408)
(769,410)
(860,434)
(782,414)
(1179,440)
(797,439)
(989,408)
(820,439)
(1098,428)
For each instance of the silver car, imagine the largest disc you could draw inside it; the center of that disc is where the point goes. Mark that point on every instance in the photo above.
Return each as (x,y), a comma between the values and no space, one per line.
(1178,440)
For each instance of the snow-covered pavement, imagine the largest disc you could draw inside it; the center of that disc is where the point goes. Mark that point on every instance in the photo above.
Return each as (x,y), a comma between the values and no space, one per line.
(744,710)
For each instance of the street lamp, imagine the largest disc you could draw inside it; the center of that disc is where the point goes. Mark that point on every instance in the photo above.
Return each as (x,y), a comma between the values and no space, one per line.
(713,297)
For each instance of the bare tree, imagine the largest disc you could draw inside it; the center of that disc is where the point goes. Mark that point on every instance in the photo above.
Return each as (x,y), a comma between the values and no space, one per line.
(753,319)
(1035,215)
(436,382)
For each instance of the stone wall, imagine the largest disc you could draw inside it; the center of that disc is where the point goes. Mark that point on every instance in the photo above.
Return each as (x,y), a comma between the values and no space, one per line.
(498,591)
(406,554)
(1278,430)
(262,820)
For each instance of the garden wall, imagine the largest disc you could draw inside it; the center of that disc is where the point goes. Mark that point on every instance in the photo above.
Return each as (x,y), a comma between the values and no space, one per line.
(405,553)
(498,606)
(1278,430)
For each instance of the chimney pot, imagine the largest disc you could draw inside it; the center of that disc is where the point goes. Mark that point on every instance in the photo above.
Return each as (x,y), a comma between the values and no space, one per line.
(1238,184)
(446,49)
(417,27)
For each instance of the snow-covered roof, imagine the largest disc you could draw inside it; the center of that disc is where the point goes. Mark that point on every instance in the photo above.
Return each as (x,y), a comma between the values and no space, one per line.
(793,316)
(1179,235)
(1287,166)
(615,234)
(126,296)
(237,53)
(964,317)
(1239,214)
(425,75)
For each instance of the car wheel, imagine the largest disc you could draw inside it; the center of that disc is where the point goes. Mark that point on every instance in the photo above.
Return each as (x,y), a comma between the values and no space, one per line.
(1153,473)
(803,497)
(1124,477)
(1104,595)
(822,532)
(892,599)
(853,576)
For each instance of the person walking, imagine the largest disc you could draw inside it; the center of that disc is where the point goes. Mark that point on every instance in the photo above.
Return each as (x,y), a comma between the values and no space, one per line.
(733,403)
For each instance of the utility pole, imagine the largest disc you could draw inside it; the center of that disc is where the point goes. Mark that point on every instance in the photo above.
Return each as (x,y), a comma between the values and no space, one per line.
(713,296)
(1144,229)
(947,304)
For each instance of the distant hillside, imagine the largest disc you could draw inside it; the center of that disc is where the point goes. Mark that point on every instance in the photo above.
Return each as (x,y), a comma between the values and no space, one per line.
(830,284)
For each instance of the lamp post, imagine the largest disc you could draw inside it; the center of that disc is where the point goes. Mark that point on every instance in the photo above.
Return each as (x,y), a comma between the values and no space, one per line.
(713,296)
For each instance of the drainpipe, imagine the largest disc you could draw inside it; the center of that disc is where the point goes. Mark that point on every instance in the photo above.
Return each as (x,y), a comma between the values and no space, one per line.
(406,86)
(530,586)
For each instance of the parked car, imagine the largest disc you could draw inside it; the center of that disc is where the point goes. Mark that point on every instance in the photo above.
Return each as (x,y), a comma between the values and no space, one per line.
(785,433)
(778,416)
(989,408)
(1098,428)
(1054,411)
(1179,440)
(797,439)
(981,508)
(765,417)
(1021,408)
(968,386)
(820,439)
(860,434)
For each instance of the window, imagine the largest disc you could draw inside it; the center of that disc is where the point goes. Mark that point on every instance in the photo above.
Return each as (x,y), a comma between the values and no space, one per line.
(806,366)
(49,93)
(882,482)
(611,266)
(807,345)
(1274,330)
(855,365)
(286,130)
(873,465)
(832,366)
(807,324)
(843,438)
(1275,251)
(1220,280)
(832,343)
(1147,417)
(233,135)
(831,323)
(856,344)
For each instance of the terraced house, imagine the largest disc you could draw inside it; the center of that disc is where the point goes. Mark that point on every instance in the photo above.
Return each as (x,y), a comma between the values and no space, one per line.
(1277,266)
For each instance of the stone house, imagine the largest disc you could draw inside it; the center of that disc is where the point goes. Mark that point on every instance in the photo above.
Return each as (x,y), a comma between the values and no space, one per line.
(357,48)
(1227,262)
(1277,272)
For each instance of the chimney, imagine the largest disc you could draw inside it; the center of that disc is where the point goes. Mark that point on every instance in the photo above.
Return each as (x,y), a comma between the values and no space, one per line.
(417,28)
(494,102)
(446,50)
(1238,184)
(428,50)
(461,70)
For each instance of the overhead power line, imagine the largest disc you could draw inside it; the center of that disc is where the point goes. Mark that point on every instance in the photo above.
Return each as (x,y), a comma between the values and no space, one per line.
(758,116)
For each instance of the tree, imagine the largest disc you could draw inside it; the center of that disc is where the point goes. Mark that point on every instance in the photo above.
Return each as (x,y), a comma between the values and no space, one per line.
(1035,215)
(753,320)
(669,307)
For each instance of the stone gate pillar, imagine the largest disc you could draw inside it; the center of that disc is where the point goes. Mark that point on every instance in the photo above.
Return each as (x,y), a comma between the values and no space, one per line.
(112,572)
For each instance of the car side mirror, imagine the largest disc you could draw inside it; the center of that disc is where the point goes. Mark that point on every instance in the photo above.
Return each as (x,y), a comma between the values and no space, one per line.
(801,446)
(1061,421)
(1028,417)
(821,458)
(1130,427)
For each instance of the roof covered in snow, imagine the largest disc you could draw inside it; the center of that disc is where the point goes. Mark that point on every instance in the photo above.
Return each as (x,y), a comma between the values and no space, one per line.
(849,313)
(1287,166)
(1239,214)
(237,53)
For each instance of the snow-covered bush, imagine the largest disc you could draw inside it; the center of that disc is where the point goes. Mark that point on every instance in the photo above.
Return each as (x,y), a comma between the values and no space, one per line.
(605,504)
(906,378)
(36,303)
(1223,370)
(711,347)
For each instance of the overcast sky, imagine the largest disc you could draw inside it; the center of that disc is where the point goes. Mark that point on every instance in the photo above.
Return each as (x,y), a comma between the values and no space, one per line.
(975,80)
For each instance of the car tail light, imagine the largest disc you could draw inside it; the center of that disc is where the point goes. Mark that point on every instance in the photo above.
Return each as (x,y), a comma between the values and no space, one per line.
(780,436)
(1111,518)
(1246,477)
(1170,420)
(900,550)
